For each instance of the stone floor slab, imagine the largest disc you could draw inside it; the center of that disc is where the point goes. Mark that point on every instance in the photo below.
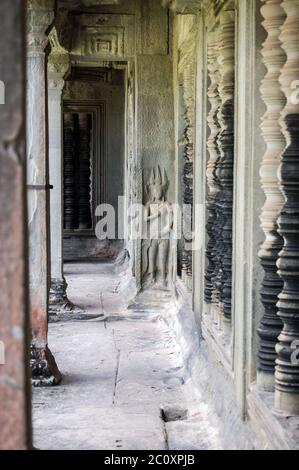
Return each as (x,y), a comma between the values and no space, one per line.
(118,373)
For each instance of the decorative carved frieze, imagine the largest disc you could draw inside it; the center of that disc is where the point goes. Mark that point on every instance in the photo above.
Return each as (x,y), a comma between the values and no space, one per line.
(58,61)
(274,99)
(103,43)
(287,368)
(104,35)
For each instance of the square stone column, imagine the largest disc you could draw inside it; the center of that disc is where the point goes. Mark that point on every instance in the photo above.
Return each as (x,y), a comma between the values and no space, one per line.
(15,421)
(40,16)
(58,66)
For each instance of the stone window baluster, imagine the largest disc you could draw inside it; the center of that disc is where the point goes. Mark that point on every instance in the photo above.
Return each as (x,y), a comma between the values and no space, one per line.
(212,183)
(274,99)
(222,277)
(84,164)
(287,364)
(69,173)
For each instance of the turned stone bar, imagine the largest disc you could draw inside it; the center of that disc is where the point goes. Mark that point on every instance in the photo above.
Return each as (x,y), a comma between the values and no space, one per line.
(274,99)
(212,147)
(70,206)
(43,365)
(221,253)
(287,364)
(84,167)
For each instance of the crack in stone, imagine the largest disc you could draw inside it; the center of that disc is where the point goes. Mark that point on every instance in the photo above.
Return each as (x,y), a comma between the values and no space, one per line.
(165,435)
(117,369)
(102,303)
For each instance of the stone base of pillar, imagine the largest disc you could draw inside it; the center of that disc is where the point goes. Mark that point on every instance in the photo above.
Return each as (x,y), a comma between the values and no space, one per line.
(287,402)
(265,381)
(44,370)
(58,301)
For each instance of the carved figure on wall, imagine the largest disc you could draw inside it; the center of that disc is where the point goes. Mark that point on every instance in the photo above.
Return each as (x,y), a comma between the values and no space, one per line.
(157,231)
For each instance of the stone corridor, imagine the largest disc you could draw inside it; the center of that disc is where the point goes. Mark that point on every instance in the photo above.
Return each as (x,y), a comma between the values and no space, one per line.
(149,235)
(123,379)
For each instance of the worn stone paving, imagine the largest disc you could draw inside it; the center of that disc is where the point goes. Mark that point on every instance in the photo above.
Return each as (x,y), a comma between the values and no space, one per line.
(118,373)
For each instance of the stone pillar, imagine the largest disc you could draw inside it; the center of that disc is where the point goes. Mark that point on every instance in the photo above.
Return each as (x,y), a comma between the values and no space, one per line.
(274,58)
(58,66)
(287,368)
(15,422)
(154,104)
(40,17)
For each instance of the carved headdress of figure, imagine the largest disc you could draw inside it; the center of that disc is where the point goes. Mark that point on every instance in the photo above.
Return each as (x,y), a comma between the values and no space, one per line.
(157,185)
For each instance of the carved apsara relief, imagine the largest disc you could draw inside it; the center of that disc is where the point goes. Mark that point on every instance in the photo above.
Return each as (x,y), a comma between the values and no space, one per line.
(157,232)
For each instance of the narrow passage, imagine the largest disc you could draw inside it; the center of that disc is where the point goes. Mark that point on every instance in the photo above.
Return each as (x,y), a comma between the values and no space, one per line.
(123,383)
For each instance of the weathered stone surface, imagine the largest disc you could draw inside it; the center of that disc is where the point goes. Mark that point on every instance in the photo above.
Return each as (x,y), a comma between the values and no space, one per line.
(14,392)
(265,419)
(104,36)
(154,29)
